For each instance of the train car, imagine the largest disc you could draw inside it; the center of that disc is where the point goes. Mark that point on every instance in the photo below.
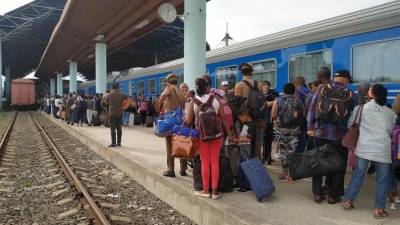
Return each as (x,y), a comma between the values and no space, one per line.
(365,42)
(23,93)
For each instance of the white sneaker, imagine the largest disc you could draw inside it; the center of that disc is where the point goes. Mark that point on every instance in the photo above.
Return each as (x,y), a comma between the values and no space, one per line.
(396,200)
(202,194)
(392,206)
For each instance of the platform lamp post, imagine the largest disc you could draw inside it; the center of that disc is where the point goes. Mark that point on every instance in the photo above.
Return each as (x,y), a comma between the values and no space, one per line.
(194,40)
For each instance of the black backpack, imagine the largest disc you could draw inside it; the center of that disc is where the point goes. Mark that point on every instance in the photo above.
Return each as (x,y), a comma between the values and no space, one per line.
(235,102)
(333,105)
(256,101)
(291,111)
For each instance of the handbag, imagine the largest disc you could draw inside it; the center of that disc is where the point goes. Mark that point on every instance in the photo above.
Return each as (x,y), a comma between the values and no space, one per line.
(353,133)
(184,142)
(164,124)
(316,162)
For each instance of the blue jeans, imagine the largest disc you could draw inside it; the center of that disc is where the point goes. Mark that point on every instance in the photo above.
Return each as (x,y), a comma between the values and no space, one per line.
(125,118)
(382,179)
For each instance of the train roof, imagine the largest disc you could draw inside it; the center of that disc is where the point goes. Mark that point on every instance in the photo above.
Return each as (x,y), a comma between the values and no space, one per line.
(370,19)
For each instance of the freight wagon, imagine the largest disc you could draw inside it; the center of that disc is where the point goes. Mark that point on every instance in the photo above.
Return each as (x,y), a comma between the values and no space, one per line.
(365,42)
(23,93)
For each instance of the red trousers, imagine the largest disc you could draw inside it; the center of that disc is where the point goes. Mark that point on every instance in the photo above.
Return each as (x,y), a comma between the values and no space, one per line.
(209,156)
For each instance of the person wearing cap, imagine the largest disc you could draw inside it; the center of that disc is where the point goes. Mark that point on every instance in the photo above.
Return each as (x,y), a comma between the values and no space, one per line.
(330,133)
(172,98)
(243,90)
(225,86)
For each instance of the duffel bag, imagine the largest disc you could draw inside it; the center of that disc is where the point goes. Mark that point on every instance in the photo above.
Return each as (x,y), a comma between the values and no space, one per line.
(184,142)
(163,124)
(319,161)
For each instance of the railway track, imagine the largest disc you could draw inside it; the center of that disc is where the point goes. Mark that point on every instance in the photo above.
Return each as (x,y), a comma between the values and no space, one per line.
(96,192)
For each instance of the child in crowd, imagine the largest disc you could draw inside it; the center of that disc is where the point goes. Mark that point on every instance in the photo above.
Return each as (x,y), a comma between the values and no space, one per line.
(247,137)
(247,144)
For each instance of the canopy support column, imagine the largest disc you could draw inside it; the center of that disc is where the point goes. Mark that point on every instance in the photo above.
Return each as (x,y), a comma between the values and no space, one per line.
(195,41)
(52,87)
(7,83)
(101,67)
(73,72)
(59,84)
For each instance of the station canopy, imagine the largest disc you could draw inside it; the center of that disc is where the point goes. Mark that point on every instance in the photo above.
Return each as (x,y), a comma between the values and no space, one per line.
(134,35)
(25,32)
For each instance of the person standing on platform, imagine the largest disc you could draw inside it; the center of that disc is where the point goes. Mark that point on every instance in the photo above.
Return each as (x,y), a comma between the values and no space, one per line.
(103,105)
(114,101)
(329,128)
(244,88)
(374,145)
(270,96)
(171,99)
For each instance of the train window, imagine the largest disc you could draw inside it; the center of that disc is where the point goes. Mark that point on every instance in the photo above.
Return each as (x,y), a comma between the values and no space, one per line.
(229,74)
(376,62)
(131,90)
(151,87)
(163,84)
(308,64)
(180,79)
(140,87)
(265,70)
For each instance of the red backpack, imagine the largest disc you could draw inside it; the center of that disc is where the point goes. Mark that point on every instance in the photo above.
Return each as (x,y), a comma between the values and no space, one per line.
(208,123)
(227,110)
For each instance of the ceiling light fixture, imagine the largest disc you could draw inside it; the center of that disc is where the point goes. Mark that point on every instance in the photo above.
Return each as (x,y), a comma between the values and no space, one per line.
(142,24)
(99,37)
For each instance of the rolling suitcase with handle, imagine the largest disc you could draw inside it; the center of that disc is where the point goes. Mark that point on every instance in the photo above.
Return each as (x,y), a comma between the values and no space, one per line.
(258,177)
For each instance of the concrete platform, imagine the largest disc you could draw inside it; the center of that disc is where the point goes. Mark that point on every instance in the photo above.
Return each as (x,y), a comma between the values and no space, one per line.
(143,158)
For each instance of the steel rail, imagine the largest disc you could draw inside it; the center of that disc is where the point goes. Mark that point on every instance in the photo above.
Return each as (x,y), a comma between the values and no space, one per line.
(7,131)
(87,200)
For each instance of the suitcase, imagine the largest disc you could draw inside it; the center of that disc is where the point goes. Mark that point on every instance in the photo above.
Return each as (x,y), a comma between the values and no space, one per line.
(260,182)
(242,181)
(149,121)
(137,120)
(225,183)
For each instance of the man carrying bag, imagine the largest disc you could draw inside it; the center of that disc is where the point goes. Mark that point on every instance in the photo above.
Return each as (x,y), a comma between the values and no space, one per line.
(327,118)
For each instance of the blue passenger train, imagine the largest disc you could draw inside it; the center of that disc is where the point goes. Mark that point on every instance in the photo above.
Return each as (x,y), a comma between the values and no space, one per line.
(366,42)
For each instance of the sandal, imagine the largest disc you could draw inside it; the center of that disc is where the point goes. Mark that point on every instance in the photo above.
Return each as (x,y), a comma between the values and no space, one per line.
(286,178)
(216,196)
(348,205)
(380,213)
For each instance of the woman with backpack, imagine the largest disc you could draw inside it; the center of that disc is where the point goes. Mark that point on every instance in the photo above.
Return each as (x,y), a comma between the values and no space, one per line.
(374,145)
(209,119)
(288,111)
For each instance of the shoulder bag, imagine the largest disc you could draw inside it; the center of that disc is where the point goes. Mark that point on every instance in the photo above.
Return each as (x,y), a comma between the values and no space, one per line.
(351,137)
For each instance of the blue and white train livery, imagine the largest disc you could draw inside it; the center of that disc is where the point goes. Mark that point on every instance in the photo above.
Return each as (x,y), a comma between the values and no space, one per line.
(366,42)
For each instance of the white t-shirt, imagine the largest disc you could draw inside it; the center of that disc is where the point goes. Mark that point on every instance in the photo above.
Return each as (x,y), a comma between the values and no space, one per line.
(204,99)
(244,133)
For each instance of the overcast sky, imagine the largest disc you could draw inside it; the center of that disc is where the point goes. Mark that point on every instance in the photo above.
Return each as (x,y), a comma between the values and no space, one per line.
(253,18)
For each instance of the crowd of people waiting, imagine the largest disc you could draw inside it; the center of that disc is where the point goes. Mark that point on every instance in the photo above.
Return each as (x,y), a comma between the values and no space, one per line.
(270,128)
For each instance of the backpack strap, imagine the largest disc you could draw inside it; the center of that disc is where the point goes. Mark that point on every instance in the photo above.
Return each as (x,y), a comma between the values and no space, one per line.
(210,99)
(248,84)
(197,102)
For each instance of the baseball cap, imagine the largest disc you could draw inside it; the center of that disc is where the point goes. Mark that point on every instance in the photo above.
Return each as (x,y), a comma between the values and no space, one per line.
(344,73)
(223,83)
